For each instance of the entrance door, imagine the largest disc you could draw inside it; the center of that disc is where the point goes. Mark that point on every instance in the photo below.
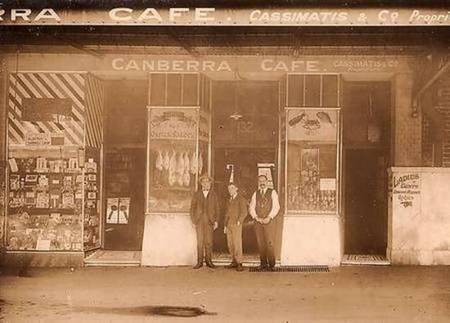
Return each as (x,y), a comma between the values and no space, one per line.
(365,202)
(125,188)
(241,164)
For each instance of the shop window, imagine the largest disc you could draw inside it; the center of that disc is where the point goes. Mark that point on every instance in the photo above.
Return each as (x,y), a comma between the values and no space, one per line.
(296,90)
(177,89)
(309,90)
(158,89)
(312,155)
(313,95)
(178,150)
(330,91)
(178,153)
(174,84)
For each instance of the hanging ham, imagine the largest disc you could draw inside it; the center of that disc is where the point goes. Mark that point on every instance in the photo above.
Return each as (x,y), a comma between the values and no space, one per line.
(186,178)
(200,163)
(194,164)
(159,161)
(166,160)
(187,163)
(172,169)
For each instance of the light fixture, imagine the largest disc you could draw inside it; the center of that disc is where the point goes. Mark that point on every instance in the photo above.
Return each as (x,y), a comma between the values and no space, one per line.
(236,115)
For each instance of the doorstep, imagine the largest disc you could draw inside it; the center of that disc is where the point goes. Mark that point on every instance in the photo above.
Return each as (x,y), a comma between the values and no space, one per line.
(372,260)
(112,258)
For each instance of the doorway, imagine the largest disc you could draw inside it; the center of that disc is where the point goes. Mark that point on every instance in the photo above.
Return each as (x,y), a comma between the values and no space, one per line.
(125,188)
(365,202)
(245,141)
(125,164)
(241,165)
(366,142)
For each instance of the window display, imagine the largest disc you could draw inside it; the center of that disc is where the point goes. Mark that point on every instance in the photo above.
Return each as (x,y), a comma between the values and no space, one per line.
(312,160)
(175,157)
(44,203)
(92,202)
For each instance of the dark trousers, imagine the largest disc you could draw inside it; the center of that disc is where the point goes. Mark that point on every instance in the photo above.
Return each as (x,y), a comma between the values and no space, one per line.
(204,241)
(265,237)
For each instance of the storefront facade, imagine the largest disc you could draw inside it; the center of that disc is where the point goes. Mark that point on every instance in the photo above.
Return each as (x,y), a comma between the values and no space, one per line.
(105,137)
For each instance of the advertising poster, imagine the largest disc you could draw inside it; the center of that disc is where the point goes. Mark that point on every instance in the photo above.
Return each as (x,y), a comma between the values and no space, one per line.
(312,124)
(118,210)
(172,123)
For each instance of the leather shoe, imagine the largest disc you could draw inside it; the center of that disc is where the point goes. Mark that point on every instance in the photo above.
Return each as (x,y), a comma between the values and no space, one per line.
(198,265)
(263,267)
(232,265)
(239,267)
(210,264)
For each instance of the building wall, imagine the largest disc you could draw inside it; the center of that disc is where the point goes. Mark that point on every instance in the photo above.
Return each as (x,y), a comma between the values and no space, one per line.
(442,101)
(407,130)
(419,224)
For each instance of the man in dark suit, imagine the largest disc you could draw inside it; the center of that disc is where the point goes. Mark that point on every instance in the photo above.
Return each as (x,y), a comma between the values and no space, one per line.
(264,207)
(235,214)
(204,214)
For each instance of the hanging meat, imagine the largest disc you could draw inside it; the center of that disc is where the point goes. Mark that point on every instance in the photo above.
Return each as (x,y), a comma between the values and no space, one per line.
(159,161)
(186,178)
(200,163)
(194,164)
(166,160)
(172,169)
(180,164)
(187,163)
(180,169)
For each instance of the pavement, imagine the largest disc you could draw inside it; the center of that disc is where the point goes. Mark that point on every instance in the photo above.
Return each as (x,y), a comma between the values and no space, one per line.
(181,294)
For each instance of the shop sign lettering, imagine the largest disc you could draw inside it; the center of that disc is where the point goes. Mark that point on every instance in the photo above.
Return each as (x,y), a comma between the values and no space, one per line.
(366,65)
(255,64)
(226,16)
(408,181)
(272,65)
(123,64)
(37,139)
(173,124)
(407,189)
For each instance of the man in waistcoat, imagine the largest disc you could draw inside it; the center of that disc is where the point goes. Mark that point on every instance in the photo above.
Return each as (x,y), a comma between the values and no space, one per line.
(204,213)
(264,207)
(235,214)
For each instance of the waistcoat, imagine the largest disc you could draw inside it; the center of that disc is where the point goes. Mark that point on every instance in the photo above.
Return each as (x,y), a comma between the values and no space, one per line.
(263,203)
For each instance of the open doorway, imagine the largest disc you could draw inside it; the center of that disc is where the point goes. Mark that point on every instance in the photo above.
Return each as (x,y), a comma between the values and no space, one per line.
(125,164)
(245,141)
(366,158)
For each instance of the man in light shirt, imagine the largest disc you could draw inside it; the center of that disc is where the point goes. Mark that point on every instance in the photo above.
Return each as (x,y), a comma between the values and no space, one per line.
(264,207)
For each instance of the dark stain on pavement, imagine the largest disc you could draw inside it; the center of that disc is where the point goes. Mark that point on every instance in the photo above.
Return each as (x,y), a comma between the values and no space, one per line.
(173,311)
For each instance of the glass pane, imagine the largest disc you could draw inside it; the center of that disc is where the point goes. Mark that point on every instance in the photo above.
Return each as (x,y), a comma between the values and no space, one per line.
(157,89)
(312,161)
(190,89)
(173,160)
(330,91)
(312,90)
(174,88)
(295,87)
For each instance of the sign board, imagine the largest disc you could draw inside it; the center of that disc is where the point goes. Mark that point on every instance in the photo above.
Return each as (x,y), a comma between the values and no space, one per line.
(210,16)
(172,123)
(312,124)
(46,109)
(406,190)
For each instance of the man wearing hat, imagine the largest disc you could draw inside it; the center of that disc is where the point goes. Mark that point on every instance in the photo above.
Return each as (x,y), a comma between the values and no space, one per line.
(264,207)
(235,214)
(204,214)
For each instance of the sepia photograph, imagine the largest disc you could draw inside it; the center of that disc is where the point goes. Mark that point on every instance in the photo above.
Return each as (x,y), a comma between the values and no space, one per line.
(224,161)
